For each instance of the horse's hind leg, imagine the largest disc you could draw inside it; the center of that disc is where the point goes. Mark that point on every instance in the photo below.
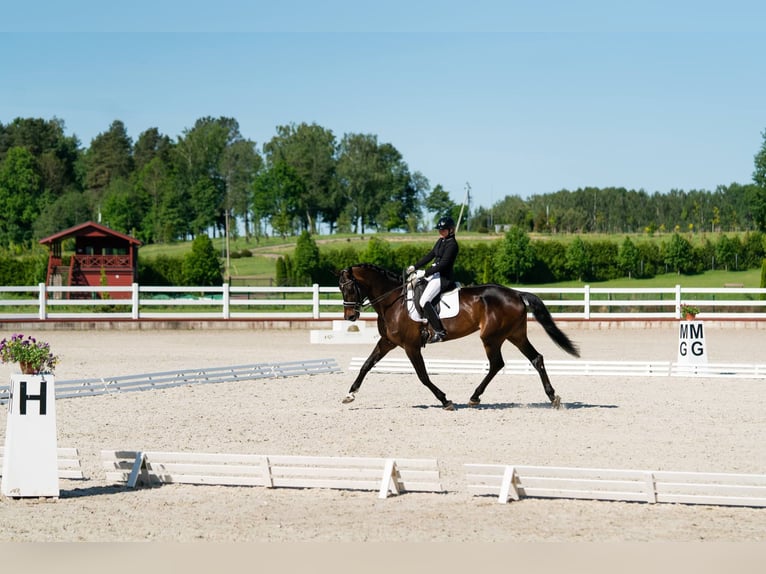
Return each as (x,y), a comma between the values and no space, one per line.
(495,364)
(381,350)
(537,362)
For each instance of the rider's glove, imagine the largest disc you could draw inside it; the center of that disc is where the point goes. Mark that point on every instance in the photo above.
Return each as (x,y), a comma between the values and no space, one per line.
(410,269)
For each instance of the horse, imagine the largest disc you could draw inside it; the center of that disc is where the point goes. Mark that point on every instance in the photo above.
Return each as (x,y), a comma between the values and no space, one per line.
(499,314)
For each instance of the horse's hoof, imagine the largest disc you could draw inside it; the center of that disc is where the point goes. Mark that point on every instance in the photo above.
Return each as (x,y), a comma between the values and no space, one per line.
(449,406)
(474,402)
(349,398)
(556,402)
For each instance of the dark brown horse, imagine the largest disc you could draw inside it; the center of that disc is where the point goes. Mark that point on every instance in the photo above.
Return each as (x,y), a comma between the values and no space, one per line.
(498,313)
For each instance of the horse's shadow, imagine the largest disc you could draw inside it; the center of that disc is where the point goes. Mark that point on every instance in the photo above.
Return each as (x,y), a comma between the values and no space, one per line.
(92,491)
(503,406)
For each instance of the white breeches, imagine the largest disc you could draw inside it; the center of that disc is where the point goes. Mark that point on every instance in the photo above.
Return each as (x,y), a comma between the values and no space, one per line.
(432,289)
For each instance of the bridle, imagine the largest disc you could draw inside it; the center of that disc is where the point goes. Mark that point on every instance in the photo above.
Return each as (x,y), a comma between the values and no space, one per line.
(360,300)
(357,305)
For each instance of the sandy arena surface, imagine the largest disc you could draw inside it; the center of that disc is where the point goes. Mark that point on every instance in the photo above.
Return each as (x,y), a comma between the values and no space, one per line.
(652,423)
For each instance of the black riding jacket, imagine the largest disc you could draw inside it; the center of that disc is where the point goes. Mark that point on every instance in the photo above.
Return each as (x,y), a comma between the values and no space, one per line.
(444,252)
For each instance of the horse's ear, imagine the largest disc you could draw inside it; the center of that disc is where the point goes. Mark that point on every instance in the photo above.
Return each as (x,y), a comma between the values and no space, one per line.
(339,272)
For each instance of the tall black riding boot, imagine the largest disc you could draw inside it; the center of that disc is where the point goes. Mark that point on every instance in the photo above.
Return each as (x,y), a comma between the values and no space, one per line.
(435,322)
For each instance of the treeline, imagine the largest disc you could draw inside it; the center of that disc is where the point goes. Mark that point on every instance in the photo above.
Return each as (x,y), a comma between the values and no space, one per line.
(212,180)
(514,259)
(518,259)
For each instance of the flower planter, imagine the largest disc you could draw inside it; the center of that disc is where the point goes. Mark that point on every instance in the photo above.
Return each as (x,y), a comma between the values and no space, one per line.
(28,369)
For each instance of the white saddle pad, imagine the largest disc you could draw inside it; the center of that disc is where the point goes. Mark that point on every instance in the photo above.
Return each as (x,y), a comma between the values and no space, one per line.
(448,305)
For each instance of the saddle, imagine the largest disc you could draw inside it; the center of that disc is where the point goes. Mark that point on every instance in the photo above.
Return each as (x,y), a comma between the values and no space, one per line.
(446,303)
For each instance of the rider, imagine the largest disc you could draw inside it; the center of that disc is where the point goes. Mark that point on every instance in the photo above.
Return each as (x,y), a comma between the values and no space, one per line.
(439,274)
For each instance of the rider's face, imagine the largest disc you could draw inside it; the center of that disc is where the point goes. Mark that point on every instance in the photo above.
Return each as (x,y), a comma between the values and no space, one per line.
(443,232)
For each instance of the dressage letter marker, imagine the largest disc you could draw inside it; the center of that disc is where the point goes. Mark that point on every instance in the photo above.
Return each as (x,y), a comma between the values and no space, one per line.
(691,343)
(30,460)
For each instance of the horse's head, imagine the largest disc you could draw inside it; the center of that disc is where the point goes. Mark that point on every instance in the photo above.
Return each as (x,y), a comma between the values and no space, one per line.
(353,297)
(366,284)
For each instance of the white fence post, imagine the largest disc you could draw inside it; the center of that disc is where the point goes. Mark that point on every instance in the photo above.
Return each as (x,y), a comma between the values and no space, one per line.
(315,298)
(42,298)
(586,301)
(678,301)
(134,311)
(226,295)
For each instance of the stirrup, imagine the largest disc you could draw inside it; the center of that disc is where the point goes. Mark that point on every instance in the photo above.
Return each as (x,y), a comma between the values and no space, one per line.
(437,337)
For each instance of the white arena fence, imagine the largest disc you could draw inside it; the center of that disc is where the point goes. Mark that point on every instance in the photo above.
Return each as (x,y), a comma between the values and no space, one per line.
(136,302)
(505,482)
(572,368)
(168,379)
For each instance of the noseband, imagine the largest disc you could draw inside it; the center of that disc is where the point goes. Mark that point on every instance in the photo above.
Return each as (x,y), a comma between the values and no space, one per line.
(357,305)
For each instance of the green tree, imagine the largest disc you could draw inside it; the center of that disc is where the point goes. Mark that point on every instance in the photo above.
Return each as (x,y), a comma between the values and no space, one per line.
(57,155)
(628,258)
(438,203)
(240,165)
(151,145)
(282,271)
(753,249)
(20,195)
(122,207)
(400,192)
(678,254)
(512,210)
(757,195)
(201,266)
(727,251)
(306,259)
(515,255)
(378,252)
(275,198)
(578,258)
(71,209)
(310,150)
(109,157)
(198,159)
(359,178)
(163,220)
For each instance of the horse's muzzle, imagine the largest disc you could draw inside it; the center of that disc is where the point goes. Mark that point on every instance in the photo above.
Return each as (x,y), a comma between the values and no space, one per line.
(350,314)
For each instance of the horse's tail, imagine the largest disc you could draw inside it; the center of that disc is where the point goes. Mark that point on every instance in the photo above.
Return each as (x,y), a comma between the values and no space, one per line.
(543,316)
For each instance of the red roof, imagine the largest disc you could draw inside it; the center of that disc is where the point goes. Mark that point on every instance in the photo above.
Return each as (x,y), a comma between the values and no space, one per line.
(88,228)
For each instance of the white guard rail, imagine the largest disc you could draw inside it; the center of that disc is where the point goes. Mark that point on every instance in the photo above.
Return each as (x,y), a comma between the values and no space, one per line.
(137,302)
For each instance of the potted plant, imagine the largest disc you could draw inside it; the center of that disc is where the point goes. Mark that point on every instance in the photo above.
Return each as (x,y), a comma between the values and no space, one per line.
(33,356)
(688,312)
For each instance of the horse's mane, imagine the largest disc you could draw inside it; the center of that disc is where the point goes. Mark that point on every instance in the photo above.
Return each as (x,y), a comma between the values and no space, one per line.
(390,275)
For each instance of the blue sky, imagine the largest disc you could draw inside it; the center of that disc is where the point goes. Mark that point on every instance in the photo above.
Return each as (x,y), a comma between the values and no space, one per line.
(513,98)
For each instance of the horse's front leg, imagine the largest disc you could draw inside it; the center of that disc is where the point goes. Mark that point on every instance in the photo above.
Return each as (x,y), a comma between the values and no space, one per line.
(381,350)
(416,358)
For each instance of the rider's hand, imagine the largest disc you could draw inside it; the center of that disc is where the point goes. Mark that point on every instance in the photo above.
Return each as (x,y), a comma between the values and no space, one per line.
(410,269)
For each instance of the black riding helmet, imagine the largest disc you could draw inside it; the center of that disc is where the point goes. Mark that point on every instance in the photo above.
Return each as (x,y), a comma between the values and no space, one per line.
(445,223)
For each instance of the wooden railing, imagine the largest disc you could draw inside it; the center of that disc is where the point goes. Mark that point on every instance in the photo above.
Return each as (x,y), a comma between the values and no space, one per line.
(98,261)
(43,302)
